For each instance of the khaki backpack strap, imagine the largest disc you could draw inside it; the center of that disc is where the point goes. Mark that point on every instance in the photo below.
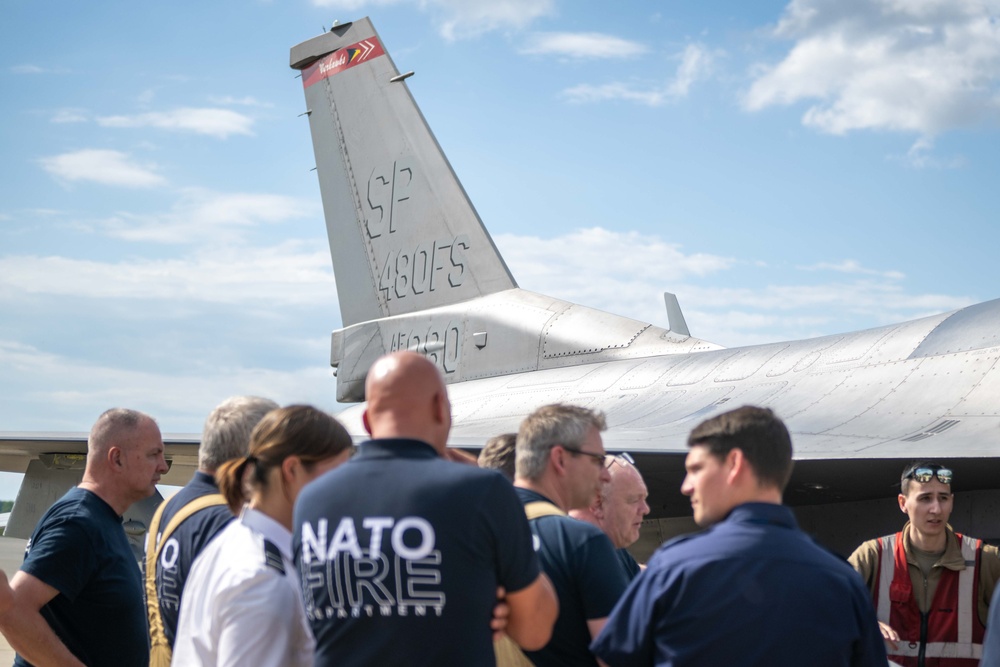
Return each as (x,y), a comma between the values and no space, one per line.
(539,508)
(159,651)
(506,650)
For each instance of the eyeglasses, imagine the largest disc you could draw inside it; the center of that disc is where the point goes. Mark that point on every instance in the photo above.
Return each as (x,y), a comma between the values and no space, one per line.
(924,474)
(599,458)
(613,459)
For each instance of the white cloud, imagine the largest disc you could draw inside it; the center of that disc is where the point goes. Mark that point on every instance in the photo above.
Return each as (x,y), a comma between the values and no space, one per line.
(35,69)
(854,267)
(106,167)
(84,388)
(729,316)
(581,45)
(205,217)
(220,123)
(70,115)
(462,19)
(919,156)
(922,67)
(239,101)
(696,64)
(294,272)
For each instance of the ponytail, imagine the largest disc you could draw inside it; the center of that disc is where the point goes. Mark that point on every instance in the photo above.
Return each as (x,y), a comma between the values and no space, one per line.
(297,430)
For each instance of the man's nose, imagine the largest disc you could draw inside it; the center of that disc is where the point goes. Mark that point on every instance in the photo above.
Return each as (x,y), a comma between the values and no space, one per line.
(686,488)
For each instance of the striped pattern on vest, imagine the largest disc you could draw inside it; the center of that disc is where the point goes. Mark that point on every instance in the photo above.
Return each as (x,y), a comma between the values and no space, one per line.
(968,642)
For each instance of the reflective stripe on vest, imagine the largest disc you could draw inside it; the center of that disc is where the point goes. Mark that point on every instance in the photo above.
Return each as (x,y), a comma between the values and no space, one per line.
(968,640)
(938,650)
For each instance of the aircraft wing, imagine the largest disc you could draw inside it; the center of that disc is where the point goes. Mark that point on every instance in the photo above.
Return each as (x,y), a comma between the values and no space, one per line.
(52,463)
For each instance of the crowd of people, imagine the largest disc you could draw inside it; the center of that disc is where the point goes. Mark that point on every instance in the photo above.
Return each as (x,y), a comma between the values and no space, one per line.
(290,546)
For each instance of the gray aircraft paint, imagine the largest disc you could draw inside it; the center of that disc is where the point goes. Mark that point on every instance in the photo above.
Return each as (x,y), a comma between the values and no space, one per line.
(416,269)
(858,404)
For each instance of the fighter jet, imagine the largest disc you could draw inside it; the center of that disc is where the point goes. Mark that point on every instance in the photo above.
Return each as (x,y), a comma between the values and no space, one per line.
(416,269)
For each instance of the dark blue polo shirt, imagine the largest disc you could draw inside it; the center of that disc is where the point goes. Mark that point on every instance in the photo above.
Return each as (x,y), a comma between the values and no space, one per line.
(79,548)
(184,545)
(400,553)
(751,590)
(588,578)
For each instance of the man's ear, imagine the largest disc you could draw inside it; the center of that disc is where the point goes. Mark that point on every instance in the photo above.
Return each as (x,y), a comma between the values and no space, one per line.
(597,507)
(902,503)
(558,461)
(736,463)
(364,420)
(440,408)
(116,457)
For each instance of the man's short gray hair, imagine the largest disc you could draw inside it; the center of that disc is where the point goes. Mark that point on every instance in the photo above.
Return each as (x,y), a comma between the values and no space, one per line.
(113,428)
(226,435)
(548,426)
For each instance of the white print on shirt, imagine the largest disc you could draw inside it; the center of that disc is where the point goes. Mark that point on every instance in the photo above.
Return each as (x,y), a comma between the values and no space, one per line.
(169,590)
(342,579)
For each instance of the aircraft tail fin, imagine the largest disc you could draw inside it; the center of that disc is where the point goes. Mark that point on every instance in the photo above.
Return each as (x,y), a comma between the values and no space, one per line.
(415,267)
(403,234)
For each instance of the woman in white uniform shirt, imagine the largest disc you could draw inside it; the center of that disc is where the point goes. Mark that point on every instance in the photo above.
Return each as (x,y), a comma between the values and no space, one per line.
(242,604)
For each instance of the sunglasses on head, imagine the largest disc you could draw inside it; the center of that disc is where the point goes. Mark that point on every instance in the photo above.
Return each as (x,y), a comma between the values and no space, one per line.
(924,474)
(614,458)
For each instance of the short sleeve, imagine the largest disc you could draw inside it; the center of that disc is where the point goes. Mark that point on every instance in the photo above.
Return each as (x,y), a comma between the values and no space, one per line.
(627,636)
(517,564)
(62,555)
(599,575)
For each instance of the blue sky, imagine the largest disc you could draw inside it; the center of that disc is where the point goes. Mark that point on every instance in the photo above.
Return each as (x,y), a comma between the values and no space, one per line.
(787,169)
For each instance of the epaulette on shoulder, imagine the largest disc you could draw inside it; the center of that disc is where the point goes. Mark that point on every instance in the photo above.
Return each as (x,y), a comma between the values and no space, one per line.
(272,557)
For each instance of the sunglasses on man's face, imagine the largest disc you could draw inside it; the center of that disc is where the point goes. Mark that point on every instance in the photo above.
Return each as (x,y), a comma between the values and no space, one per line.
(926,474)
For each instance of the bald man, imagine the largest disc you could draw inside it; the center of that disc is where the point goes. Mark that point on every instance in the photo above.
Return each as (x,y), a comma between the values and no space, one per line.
(401,551)
(77,599)
(618,509)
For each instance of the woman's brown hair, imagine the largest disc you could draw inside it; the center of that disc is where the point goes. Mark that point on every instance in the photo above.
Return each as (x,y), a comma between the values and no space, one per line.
(296,430)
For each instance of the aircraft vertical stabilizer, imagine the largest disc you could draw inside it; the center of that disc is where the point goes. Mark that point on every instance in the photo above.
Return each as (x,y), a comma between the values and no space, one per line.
(415,267)
(395,211)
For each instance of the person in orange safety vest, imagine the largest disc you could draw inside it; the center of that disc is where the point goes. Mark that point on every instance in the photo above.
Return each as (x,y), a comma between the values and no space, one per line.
(930,585)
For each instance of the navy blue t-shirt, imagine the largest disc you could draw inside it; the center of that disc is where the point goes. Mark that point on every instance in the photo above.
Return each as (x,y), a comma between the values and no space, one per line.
(400,553)
(629,564)
(184,544)
(752,590)
(581,562)
(79,548)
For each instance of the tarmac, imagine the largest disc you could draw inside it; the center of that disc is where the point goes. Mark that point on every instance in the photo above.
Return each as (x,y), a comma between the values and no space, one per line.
(11,555)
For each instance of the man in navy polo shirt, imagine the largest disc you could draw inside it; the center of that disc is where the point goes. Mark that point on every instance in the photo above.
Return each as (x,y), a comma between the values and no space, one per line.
(618,509)
(226,436)
(752,589)
(78,594)
(400,550)
(560,466)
